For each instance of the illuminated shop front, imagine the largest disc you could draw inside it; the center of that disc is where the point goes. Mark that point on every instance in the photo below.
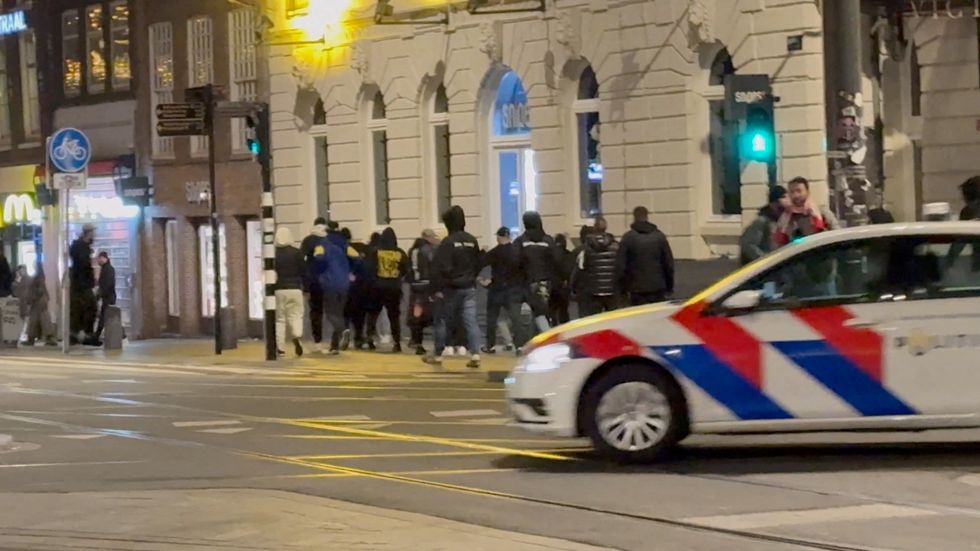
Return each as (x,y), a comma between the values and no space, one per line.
(20,229)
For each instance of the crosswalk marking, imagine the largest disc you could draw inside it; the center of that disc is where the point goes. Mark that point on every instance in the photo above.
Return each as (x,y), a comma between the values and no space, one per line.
(465,413)
(78,436)
(186,424)
(229,430)
(771,519)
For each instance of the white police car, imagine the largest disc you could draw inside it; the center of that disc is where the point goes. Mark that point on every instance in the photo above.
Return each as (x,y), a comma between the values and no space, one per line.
(876,327)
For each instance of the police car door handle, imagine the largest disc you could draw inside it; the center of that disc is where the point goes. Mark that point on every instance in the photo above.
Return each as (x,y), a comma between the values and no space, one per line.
(859,323)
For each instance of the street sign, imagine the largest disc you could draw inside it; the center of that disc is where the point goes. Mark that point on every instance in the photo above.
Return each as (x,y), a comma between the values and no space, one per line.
(134,191)
(70,150)
(742,91)
(187,127)
(69,180)
(181,111)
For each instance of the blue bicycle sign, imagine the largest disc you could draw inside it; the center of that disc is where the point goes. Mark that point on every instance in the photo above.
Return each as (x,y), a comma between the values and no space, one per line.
(70,150)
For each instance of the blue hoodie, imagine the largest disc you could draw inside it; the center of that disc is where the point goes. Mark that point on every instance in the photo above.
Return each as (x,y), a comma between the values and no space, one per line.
(330,262)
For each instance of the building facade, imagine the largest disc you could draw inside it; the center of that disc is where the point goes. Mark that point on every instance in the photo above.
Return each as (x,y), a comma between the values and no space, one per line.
(594,107)
(182,45)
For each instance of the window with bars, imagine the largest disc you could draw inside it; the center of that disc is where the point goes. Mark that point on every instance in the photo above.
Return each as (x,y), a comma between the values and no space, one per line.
(378,132)
(161,80)
(244,80)
(119,47)
(95,49)
(443,156)
(71,45)
(4,100)
(200,59)
(590,169)
(28,82)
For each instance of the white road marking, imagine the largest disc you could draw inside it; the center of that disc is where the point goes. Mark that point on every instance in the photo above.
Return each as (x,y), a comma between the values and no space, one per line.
(78,436)
(494,421)
(231,430)
(771,519)
(971,479)
(29,465)
(183,424)
(465,413)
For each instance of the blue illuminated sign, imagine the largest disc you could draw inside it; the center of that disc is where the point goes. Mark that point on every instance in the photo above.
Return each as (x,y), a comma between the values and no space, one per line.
(13,22)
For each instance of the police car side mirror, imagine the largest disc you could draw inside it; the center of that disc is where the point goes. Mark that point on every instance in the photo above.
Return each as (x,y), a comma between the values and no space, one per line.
(742,301)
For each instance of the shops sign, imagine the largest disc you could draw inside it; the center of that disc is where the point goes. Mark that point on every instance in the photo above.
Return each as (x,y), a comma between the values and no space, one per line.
(13,22)
(19,208)
(955,9)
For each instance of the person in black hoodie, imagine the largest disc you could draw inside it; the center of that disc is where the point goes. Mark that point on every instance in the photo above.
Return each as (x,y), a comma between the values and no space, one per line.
(455,267)
(645,263)
(420,302)
(597,268)
(390,266)
(538,262)
(562,293)
(504,290)
(82,304)
(106,290)
(363,300)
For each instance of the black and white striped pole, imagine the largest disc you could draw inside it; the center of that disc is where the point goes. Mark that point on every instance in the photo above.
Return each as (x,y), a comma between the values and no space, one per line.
(259,143)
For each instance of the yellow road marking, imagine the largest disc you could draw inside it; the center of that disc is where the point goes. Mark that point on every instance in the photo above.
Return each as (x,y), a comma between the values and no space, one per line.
(422,454)
(335,437)
(447,472)
(429,439)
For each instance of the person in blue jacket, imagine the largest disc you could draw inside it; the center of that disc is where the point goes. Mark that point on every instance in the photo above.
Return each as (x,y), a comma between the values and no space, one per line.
(332,269)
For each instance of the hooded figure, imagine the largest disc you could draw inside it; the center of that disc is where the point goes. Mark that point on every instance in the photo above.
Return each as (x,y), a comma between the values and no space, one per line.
(454,271)
(290,270)
(389,266)
(329,281)
(308,247)
(538,261)
(645,263)
(756,240)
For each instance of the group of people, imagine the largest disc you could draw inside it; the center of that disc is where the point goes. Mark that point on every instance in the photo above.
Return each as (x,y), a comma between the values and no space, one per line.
(90,297)
(350,283)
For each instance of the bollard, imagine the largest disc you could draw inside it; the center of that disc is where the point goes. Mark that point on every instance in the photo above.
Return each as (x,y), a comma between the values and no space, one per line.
(229,329)
(113,332)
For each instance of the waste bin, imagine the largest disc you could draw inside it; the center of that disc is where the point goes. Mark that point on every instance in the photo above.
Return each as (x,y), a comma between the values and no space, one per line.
(11,324)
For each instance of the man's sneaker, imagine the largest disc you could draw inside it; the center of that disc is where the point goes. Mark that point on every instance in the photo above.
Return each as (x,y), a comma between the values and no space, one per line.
(371,345)
(281,353)
(298,346)
(432,360)
(345,339)
(396,348)
(461,351)
(420,350)
(333,352)
(489,350)
(474,361)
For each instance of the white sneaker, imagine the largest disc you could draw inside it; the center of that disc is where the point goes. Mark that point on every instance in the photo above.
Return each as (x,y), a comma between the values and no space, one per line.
(461,351)
(318,348)
(474,361)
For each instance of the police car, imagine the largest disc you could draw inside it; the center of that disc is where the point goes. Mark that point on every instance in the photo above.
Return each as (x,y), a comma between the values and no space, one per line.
(869,328)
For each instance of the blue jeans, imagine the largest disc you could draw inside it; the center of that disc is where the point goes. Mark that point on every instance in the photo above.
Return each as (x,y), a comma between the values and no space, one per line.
(457,305)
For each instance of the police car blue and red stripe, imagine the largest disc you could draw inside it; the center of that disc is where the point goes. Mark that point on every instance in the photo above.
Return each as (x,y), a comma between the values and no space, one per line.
(870,328)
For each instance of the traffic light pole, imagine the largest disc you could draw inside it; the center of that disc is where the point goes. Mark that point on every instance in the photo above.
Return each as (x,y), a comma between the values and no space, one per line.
(264,135)
(215,225)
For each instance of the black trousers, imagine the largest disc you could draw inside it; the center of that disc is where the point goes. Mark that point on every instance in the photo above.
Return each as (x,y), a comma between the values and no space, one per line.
(83,311)
(638,299)
(597,304)
(558,305)
(389,298)
(419,314)
(333,305)
(509,301)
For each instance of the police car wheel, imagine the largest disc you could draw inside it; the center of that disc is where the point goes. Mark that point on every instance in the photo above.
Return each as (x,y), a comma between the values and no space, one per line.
(633,414)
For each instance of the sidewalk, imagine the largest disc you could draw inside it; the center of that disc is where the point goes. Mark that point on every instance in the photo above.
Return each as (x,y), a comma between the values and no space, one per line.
(238,519)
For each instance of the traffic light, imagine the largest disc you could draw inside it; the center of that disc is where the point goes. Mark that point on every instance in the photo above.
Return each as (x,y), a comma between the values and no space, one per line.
(258,135)
(757,139)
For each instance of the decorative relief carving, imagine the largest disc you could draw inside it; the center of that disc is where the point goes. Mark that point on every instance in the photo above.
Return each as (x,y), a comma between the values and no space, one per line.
(490,40)
(700,30)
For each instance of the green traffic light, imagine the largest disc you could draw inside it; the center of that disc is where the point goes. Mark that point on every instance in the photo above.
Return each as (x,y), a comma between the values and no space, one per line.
(759,143)
(253,146)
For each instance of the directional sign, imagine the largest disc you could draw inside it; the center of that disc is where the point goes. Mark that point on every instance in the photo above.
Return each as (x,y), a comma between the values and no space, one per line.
(69,180)
(188,127)
(181,111)
(69,150)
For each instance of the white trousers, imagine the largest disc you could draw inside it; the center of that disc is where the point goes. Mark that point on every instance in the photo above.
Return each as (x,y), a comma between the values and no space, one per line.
(289,316)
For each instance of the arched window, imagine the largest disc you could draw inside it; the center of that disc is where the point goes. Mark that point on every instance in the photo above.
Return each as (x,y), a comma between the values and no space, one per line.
(512,159)
(377,126)
(439,122)
(589,154)
(726,171)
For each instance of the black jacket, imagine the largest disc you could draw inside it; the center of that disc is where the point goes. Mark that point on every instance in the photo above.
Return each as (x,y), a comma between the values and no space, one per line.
(645,263)
(6,277)
(82,274)
(457,260)
(387,263)
(599,264)
(107,283)
(291,270)
(538,257)
(504,270)
(420,260)
(307,248)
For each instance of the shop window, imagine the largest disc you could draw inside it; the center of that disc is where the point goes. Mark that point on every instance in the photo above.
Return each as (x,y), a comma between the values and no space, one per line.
(4,100)
(726,172)
(119,48)
(206,258)
(171,241)
(589,159)
(378,130)
(161,80)
(28,81)
(71,46)
(443,155)
(513,160)
(95,49)
(256,276)
(244,82)
(201,66)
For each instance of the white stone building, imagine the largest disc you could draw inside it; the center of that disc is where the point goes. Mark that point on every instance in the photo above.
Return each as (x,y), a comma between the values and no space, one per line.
(542,110)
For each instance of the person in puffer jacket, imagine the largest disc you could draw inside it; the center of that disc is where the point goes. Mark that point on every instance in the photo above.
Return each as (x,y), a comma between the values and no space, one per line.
(597,267)
(539,264)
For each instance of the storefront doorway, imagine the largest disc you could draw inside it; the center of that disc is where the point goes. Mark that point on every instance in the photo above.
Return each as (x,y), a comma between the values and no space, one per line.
(512,159)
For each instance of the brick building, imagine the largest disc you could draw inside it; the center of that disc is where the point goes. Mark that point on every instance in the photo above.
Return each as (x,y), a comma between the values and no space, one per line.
(181,45)
(597,106)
